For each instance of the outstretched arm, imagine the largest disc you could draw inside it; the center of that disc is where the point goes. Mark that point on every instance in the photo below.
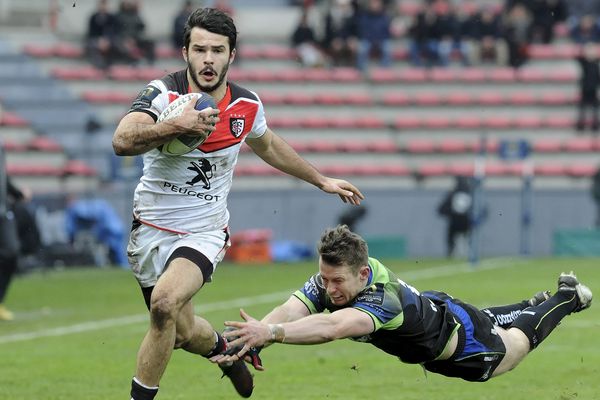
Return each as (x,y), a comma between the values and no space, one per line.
(277,153)
(312,329)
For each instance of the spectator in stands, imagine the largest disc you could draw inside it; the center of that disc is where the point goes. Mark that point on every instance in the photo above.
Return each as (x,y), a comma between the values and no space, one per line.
(100,38)
(373,31)
(425,38)
(20,236)
(304,43)
(586,30)
(546,14)
(488,43)
(589,83)
(453,33)
(130,34)
(595,191)
(340,38)
(517,26)
(179,24)
(457,207)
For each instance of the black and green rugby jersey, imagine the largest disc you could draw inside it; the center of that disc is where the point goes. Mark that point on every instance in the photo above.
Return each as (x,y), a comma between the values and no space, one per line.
(405,323)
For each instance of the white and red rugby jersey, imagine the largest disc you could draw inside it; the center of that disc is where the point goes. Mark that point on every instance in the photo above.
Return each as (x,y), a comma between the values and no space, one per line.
(188,193)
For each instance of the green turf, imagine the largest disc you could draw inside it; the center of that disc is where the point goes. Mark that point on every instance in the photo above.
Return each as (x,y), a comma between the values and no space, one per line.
(97,362)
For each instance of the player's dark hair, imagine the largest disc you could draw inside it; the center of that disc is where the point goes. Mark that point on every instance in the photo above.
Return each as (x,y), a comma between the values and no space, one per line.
(339,246)
(213,20)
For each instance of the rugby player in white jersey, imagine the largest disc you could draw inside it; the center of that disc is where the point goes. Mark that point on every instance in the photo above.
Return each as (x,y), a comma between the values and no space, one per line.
(179,231)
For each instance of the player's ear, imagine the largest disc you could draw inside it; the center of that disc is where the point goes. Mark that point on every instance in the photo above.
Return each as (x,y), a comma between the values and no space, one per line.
(184,53)
(232,56)
(364,272)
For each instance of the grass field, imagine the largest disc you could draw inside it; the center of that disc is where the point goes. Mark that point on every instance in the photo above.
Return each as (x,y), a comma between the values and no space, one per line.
(77,333)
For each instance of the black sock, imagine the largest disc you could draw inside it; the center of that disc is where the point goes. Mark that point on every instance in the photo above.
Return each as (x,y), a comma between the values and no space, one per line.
(220,346)
(504,316)
(141,392)
(537,322)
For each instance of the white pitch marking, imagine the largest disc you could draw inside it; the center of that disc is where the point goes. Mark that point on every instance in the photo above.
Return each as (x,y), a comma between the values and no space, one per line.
(433,272)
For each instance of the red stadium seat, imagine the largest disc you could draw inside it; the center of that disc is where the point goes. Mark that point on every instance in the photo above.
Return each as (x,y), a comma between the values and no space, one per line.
(542,51)
(278,52)
(521,98)
(284,122)
(580,145)
(443,75)
(491,99)
(382,146)
(437,122)
(38,51)
(384,75)
(531,75)
(76,167)
(345,75)
(547,145)
(315,122)
(67,50)
(412,75)
(562,75)
(557,98)
(559,122)
(427,99)
(501,75)
(498,122)
(395,99)
(318,75)
(8,118)
(44,144)
(581,170)
(299,98)
(472,75)
(33,170)
(323,146)
(459,98)
(462,169)
(166,51)
(341,122)
(420,146)
(370,122)
(352,146)
(528,122)
(123,73)
(357,99)
(79,73)
(549,169)
(468,122)
(272,98)
(329,98)
(432,169)
(453,146)
(407,122)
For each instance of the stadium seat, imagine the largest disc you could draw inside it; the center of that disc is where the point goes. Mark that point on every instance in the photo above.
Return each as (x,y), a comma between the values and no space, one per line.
(581,170)
(329,98)
(491,98)
(549,169)
(528,122)
(395,99)
(272,98)
(8,118)
(427,99)
(323,146)
(357,99)
(459,99)
(315,122)
(76,167)
(342,122)
(437,122)
(580,145)
(432,169)
(559,122)
(38,51)
(531,75)
(382,146)
(468,122)
(67,50)
(318,75)
(44,144)
(407,122)
(500,75)
(560,75)
(80,73)
(420,146)
(472,75)
(497,122)
(299,98)
(461,169)
(352,146)
(557,98)
(443,74)
(547,145)
(370,122)
(521,98)
(454,146)
(345,75)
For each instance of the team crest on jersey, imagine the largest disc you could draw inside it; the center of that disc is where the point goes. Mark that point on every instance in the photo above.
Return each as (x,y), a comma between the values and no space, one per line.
(237,125)
(204,172)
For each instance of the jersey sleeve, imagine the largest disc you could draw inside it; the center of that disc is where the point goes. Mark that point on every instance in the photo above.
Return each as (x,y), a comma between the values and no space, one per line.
(312,295)
(260,122)
(152,100)
(382,304)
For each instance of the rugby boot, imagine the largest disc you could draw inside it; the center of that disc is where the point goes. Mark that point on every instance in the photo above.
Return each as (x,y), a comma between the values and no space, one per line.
(570,283)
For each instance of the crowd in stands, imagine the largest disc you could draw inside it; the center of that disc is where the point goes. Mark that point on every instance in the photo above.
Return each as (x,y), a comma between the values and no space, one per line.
(354,32)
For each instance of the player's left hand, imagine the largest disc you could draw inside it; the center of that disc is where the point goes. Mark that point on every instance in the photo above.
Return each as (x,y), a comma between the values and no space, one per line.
(249,334)
(347,191)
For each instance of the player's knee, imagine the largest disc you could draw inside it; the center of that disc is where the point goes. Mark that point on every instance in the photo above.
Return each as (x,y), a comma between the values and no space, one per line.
(163,309)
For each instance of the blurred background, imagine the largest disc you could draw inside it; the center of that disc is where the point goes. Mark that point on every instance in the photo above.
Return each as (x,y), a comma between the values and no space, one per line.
(470,125)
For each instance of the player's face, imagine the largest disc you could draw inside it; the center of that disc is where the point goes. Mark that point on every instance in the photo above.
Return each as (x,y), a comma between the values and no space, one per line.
(208,58)
(341,283)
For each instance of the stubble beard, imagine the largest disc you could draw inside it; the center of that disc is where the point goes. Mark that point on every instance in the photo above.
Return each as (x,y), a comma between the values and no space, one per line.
(207,88)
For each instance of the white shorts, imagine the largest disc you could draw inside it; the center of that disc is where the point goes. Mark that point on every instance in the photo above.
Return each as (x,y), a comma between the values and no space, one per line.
(150,248)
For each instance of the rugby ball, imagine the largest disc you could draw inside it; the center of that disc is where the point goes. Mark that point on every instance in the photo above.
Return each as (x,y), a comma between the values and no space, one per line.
(184,143)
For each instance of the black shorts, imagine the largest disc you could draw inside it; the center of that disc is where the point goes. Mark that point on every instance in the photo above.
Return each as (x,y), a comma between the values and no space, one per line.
(480,349)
